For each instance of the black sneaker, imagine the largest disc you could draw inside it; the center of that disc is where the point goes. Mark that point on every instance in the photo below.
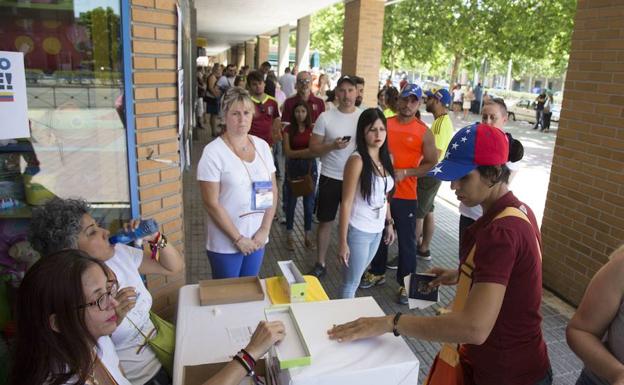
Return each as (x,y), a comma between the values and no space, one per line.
(393,263)
(318,270)
(424,255)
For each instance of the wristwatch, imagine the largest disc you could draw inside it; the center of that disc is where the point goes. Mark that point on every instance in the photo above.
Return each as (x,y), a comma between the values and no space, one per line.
(395,324)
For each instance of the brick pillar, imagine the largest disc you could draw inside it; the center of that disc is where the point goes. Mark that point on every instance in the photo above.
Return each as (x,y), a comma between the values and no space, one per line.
(263,49)
(155,106)
(584,216)
(303,43)
(250,54)
(240,56)
(229,56)
(363,32)
(283,51)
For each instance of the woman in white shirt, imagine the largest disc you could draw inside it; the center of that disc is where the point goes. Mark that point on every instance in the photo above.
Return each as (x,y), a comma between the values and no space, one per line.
(66,223)
(66,311)
(364,210)
(236,175)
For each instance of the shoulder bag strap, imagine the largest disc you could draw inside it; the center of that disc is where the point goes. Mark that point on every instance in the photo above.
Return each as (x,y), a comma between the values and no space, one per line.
(449,351)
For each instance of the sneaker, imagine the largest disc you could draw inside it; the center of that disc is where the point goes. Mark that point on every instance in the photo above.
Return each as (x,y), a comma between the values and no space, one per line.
(318,270)
(402,297)
(369,280)
(393,263)
(309,244)
(424,255)
(290,243)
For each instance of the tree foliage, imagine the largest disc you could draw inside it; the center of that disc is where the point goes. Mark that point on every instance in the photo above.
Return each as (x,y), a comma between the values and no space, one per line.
(326,30)
(440,34)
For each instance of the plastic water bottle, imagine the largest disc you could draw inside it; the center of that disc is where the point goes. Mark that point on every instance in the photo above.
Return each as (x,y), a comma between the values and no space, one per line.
(146,227)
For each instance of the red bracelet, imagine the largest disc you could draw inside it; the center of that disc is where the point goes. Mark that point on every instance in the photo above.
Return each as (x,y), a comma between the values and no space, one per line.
(154,246)
(247,357)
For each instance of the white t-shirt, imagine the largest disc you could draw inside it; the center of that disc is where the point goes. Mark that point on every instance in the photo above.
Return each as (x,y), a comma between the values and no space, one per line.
(333,124)
(224,83)
(108,357)
(219,164)
(139,368)
(458,96)
(287,82)
(476,212)
(371,217)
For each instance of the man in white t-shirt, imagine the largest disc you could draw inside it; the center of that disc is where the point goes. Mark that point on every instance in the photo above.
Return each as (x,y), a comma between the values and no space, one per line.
(287,82)
(227,80)
(333,139)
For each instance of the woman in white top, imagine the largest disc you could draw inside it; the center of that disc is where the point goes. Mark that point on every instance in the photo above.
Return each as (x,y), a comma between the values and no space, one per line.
(236,175)
(364,211)
(66,311)
(66,223)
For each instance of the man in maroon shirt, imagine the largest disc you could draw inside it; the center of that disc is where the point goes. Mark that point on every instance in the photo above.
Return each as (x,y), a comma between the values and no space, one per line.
(266,122)
(304,92)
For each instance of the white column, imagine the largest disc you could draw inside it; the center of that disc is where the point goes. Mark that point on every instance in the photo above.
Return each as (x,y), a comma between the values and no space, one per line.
(303,43)
(508,85)
(283,50)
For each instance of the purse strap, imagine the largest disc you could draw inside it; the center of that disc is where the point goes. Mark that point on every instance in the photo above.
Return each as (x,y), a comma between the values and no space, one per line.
(448,352)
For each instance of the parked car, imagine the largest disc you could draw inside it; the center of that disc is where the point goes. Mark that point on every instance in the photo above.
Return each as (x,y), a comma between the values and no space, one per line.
(524,109)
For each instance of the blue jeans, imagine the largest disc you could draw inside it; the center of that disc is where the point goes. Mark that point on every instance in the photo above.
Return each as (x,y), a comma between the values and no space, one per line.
(586,379)
(296,168)
(235,265)
(362,246)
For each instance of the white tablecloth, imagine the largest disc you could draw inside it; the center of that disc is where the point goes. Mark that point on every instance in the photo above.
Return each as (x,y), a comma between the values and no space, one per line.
(207,334)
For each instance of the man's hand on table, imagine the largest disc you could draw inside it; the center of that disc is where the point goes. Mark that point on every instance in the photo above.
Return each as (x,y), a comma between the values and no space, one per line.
(266,335)
(361,328)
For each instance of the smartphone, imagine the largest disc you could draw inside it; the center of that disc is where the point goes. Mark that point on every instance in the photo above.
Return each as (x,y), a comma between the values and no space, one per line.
(346,138)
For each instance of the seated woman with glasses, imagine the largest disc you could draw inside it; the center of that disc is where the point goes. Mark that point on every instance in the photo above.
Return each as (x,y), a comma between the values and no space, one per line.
(65,314)
(66,223)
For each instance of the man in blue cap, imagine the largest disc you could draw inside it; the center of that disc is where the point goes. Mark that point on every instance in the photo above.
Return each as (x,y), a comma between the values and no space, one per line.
(438,101)
(413,151)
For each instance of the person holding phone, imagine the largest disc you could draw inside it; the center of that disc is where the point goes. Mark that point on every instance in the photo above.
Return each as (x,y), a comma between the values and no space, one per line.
(331,140)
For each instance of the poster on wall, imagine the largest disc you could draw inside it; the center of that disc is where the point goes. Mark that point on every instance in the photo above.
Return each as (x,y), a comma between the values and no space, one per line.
(13,97)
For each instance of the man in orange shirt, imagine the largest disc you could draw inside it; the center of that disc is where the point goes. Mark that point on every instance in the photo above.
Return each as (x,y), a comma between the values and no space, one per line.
(413,150)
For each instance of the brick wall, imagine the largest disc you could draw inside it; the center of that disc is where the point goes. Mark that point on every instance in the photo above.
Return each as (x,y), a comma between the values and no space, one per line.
(262,50)
(154,50)
(584,216)
(362,38)
(250,54)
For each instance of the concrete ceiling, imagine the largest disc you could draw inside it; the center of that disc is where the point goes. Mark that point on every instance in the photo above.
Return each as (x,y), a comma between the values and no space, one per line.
(227,23)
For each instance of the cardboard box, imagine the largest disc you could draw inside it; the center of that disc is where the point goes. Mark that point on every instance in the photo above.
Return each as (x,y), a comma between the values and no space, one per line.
(199,374)
(292,281)
(230,290)
(293,350)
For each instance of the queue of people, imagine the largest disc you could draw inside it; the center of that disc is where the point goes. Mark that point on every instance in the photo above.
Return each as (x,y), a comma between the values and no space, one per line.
(84,313)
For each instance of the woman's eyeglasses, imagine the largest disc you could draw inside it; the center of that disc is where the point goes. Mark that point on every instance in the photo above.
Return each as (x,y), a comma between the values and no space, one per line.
(103,302)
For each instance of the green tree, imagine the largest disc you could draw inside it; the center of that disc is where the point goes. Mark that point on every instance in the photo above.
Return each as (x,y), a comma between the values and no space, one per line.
(326,30)
(467,31)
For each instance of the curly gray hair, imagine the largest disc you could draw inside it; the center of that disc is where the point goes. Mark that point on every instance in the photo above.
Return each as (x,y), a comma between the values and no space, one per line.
(55,225)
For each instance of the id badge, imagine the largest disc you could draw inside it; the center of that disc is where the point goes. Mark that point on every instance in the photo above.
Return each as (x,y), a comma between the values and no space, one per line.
(261,195)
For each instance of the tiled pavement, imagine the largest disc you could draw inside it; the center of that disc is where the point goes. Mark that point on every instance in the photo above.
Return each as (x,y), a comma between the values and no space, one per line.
(565,364)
